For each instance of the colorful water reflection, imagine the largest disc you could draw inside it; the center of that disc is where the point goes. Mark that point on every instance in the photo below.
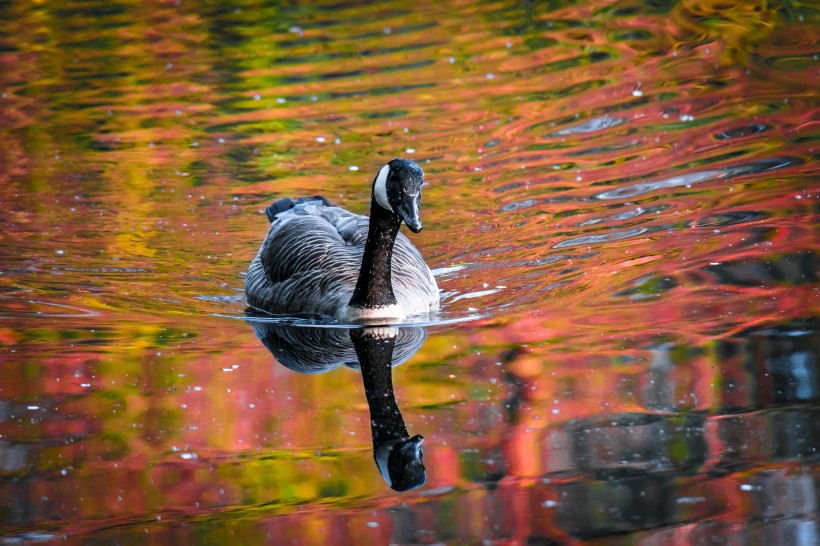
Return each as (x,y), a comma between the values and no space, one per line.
(622,215)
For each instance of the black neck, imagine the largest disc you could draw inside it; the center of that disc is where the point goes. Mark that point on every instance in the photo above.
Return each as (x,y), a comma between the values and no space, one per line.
(375,351)
(374,287)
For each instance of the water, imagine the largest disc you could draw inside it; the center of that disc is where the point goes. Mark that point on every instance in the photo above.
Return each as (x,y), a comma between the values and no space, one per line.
(621,212)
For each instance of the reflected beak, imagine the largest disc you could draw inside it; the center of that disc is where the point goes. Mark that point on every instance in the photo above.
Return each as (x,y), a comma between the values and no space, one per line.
(414,444)
(408,208)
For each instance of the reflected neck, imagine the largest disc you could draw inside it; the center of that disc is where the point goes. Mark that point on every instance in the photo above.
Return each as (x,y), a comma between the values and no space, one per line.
(374,347)
(374,288)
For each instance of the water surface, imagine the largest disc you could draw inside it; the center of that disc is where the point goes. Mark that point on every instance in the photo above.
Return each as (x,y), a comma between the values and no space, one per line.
(622,200)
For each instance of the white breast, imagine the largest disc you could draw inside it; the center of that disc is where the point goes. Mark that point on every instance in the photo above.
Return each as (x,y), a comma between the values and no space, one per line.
(355,314)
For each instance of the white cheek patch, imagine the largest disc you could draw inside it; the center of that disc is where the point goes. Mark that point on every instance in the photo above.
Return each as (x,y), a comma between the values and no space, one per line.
(380,189)
(382,454)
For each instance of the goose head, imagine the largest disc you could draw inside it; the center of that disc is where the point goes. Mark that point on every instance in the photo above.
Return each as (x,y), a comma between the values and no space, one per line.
(397,189)
(401,463)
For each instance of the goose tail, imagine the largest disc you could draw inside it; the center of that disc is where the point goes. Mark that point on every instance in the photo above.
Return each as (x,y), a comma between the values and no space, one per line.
(285,204)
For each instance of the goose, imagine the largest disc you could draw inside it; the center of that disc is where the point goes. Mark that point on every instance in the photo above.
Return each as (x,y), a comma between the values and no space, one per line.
(320,259)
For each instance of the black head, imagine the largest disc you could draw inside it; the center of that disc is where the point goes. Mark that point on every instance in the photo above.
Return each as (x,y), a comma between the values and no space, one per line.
(397,188)
(403,468)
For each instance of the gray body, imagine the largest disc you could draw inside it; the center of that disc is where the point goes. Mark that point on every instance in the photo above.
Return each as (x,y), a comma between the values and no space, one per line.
(310,261)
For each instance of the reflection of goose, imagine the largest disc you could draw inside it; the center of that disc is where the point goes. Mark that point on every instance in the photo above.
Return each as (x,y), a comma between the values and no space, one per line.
(374,350)
(319,350)
(320,259)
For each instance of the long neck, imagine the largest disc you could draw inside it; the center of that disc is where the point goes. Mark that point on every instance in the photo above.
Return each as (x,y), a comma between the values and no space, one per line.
(374,288)
(375,352)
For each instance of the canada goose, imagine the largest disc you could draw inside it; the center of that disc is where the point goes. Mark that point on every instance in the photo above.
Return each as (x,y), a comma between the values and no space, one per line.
(318,258)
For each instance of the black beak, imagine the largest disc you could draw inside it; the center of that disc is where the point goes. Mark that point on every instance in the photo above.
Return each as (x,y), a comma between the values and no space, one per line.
(408,208)
(413,445)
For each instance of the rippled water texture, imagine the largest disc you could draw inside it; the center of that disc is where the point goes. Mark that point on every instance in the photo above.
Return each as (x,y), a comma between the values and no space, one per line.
(622,214)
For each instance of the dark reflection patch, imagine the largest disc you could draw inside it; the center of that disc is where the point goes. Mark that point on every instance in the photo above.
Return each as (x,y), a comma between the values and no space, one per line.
(740,132)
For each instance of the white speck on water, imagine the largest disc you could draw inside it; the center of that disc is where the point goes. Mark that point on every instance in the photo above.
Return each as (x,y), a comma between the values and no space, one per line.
(637,93)
(690,500)
(490,76)
(550,504)
(372,524)
(353,168)
(169,66)
(33,407)
(413,150)
(451,60)
(280,100)
(320,139)
(257,97)
(59,252)
(188,456)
